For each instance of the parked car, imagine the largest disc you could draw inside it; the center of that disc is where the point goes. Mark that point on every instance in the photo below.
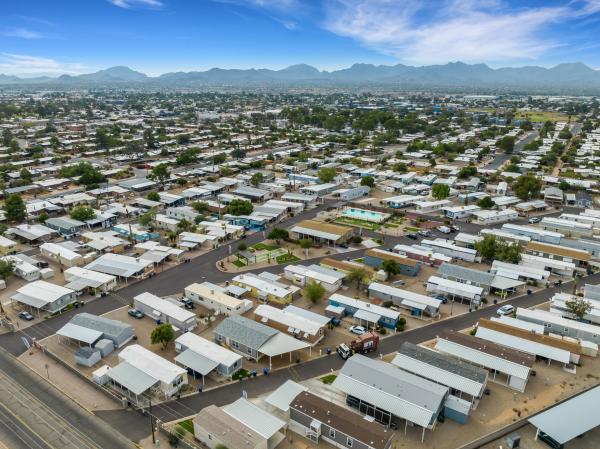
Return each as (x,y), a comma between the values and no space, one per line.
(455,228)
(25,316)
(506,309)
(444,229)
(335,321)
(187,303)
(534,220)
(424,233)
(358,330)
(136,313)
(398,283)
(412,236)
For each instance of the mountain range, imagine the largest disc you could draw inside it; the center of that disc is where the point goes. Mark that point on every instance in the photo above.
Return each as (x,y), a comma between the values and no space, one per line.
(568,77)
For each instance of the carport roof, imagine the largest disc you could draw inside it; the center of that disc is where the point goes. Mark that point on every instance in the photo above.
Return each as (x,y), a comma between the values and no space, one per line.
(570,419)
(281,344)
(197,362)
(285,395)
(130,377)
(367,316)
(79,333)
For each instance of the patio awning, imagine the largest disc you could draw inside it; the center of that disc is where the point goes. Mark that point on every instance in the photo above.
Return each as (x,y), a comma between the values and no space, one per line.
(414,304)
(199,363)
(281,344)
(367,316)
(131,378)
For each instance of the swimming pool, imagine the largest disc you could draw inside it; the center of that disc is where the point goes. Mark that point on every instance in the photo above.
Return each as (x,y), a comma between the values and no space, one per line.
(366,215)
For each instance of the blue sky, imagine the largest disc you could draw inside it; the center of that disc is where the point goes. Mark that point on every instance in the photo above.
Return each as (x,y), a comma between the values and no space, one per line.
(157,36)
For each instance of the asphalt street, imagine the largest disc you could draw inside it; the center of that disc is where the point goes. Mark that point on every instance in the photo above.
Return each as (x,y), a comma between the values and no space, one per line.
(500,159)
(34,414)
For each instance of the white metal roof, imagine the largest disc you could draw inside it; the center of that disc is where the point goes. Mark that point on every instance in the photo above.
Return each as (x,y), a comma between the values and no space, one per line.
(405,295)
(524,345)
(43,291)
(262,285)
(367,315)
(262,422)
(285,394)
(118,264)
(479,357)
(89,275)
(572,418)
(514,271)
(553,318)
(166,307)
(322,275)
(206,292)
(79,333)
(150,363)
(520,324)
(197,362)
(389,388)
(208,349)
(281,343)
(455,288)
(132,378)
(287,318)
(437,374)
(537,261)
(362,305)
(315,233)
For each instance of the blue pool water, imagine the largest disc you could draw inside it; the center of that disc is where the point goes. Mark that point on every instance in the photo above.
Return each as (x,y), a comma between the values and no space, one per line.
(368,215)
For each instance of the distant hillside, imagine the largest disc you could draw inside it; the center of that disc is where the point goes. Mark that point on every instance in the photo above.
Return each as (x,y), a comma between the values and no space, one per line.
(571,77)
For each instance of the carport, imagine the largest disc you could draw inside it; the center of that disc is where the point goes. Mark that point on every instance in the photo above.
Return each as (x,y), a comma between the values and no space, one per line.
(196,362)
(280,344)
(568,420)
(131,380)
(79,333)
(368,316)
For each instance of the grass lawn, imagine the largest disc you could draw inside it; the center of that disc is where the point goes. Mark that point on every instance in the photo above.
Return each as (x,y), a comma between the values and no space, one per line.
(391,225)
(411,229)
(360,260)
(358,223)
(286,258)
(187,425)
(264,247)
(328,380)
(542,116)
(238,263)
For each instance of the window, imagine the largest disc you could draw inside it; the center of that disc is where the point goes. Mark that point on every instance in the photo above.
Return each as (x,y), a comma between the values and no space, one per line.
(349,442)
(249,350)
(209,436)
(332,432)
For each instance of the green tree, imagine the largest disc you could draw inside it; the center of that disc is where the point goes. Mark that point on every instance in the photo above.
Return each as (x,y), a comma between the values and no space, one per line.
(314,292)
(7,268)
(162,334)
(368,181)
(14,147)
(14,207)
(578,307)
(527,187)
(42,217)
(327,174)
(467,172)
(238,153)
(491,248)
(147,218)
(256,179)
(358,275)
(7,137)
(440,191)
(506,144)
(153,196)
(486,202)
(82,213)
(391,267)
(239,207)
(200,206)
(305,244)
(149,138)
(25,176)
(160,174)
(185,226)
(278,234)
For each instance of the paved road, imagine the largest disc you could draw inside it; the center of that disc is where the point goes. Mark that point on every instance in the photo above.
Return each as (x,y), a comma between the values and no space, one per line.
(500,159)
(44,417)
(263,384)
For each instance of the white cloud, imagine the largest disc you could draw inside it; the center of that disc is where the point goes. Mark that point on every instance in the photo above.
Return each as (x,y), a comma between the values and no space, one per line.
(23,33)
(127,4)
(16,64)
(438,31)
